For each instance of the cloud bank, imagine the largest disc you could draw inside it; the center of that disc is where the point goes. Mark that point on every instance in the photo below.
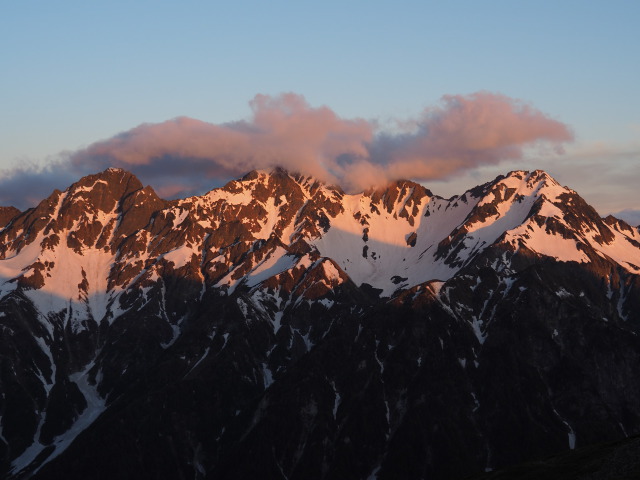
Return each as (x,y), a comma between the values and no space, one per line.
(185,156)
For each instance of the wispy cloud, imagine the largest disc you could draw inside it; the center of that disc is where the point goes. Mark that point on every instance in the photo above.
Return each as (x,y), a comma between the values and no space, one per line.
(184,156)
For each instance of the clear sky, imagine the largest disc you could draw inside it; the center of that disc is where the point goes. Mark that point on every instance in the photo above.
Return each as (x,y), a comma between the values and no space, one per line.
(76,72)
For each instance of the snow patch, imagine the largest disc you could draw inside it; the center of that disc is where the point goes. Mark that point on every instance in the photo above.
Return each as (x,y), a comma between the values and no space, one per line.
(267,376)
(275,262)
(277,319)
(179,256)
(95,406)
(477,330)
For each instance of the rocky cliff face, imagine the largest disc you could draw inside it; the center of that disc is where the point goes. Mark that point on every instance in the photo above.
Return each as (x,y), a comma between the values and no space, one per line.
(280,328)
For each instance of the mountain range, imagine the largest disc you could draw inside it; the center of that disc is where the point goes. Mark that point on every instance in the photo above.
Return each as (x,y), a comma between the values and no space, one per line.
(278,327)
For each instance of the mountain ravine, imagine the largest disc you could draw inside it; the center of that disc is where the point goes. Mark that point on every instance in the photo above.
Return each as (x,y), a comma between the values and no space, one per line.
(278,328)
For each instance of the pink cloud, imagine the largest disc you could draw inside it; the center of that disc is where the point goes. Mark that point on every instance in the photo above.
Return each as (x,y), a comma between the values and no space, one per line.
(185,155)
(284,131)
(469,131)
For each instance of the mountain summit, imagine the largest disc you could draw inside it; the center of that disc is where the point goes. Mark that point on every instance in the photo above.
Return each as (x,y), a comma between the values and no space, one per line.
(279,328)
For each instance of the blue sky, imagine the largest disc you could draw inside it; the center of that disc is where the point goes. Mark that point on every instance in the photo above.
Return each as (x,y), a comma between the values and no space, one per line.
(78,72)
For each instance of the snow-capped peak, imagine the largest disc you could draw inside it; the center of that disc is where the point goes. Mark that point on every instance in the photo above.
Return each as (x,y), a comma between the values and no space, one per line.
(391,238)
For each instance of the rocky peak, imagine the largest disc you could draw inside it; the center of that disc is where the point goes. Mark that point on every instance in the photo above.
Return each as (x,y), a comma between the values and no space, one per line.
(25,227)
(395,191)
(86,212)
(104,190)
(620,225)
(532,209)
(278,181)
(261,184)
(400,198)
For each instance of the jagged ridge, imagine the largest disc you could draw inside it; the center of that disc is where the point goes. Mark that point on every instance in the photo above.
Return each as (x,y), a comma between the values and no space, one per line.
(264,263)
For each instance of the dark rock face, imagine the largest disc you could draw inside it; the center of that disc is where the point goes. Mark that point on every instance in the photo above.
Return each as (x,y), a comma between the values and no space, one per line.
(7,214)
(214,337)
(603,461)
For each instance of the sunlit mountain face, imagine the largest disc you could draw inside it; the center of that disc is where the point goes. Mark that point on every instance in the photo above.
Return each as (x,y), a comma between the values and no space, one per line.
(280,328)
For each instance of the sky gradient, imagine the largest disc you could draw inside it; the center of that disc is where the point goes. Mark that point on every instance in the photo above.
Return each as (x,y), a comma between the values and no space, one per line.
(77,73)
